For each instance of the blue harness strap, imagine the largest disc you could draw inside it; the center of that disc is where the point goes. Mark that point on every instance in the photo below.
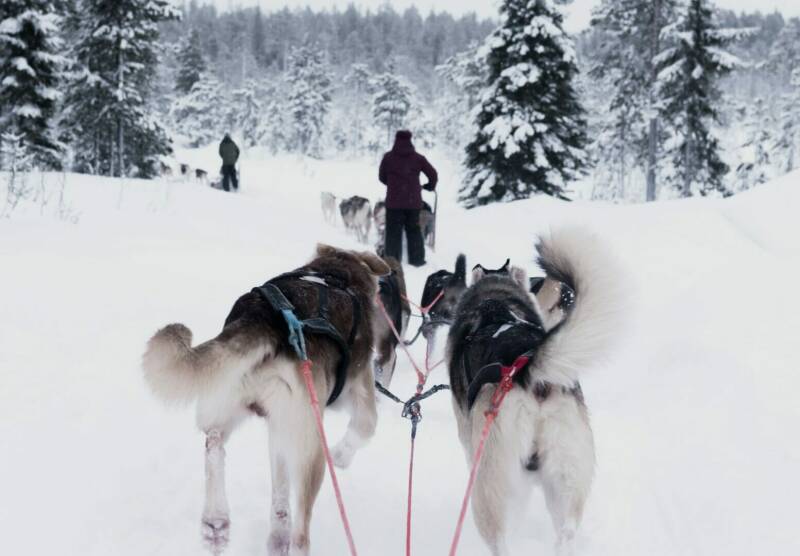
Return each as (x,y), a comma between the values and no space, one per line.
(315,325)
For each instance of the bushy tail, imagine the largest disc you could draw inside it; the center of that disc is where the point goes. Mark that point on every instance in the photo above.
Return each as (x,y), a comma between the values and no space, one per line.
(587,335)
(178,373)
(460,275)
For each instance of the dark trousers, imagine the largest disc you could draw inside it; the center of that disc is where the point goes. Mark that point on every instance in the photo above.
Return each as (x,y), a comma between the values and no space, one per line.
(396,221)
(229,175)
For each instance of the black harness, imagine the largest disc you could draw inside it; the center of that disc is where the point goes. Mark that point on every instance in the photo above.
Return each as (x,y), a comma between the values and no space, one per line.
(501,338)
(320,324)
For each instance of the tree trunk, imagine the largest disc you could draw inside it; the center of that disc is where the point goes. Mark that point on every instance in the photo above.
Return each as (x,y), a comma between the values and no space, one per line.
(652,143)
(688,165)
(120,134)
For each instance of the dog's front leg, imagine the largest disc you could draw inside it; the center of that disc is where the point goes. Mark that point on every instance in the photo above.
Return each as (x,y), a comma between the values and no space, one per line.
(216,520)
(363,419)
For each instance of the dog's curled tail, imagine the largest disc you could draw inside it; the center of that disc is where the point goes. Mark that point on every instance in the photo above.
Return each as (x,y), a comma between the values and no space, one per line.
(582,261)
(178,373)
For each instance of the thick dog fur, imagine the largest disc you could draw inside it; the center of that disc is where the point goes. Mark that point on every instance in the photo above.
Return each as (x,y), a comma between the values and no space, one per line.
(357,216)
(250,369)
(542,433)
(392,292)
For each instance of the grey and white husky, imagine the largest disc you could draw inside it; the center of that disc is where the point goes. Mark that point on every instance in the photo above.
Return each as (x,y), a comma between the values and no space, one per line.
(542,433)
(251,369)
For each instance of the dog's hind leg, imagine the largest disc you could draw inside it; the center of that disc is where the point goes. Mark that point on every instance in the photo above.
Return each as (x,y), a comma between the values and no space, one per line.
(280,529)
(566,450)
(216,515)
(490,501)
(363,419)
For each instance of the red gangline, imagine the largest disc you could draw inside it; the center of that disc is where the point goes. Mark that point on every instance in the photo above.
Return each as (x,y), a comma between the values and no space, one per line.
(503,388)
(306,368)
(422,378)
(408,510)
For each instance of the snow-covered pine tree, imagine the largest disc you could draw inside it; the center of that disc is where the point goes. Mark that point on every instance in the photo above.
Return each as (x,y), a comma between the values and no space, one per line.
(785,58)
(788,140)
(755,166)
(113,128)
(358,83)
(690,70)
(309,98)
(200,115)
(464,76)
(634,33)
(246,116)
(190,63)
(391,102)
(531,132)
(31,65)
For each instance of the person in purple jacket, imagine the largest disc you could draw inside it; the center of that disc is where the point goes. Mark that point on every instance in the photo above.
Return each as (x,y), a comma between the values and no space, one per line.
(399,172)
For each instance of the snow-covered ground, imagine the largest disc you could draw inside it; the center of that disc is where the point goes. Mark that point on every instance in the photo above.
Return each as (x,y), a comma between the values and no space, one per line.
(696,420)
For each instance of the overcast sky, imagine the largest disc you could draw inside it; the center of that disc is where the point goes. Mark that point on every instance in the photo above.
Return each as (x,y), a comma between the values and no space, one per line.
(578,16)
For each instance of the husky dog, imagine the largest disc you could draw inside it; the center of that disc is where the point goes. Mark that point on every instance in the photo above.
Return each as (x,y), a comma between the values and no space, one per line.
(542,431)
(357,216)
(392,292)
(447,287)
(379,216)
(426,223)
(328,202)
(186,170)
(479,271)
(201,175)
(251,369)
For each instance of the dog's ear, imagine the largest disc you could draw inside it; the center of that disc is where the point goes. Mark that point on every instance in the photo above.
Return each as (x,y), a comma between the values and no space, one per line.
(375,264)
(478,273)
(324,250)
(504,268)
(520,277)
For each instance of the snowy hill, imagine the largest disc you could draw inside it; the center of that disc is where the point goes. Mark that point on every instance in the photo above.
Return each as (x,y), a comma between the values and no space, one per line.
(696,420)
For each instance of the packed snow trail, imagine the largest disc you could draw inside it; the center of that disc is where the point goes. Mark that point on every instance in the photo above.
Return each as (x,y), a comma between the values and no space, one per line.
(695,421)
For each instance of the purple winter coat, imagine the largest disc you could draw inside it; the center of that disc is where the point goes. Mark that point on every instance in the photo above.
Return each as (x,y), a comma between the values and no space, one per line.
(399,171)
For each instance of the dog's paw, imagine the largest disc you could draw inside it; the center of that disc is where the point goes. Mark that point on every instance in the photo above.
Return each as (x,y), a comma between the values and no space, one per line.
(343,455)
(216,533)
(279,543)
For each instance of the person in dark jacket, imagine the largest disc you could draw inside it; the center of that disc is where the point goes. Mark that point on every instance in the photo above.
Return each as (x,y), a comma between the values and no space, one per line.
(399,172)
(229,153)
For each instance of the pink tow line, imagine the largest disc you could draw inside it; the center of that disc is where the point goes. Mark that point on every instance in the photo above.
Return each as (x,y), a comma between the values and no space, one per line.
(306,368)
(503,388)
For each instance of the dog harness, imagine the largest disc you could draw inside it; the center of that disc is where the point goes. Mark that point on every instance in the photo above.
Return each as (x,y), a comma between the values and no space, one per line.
(320,324)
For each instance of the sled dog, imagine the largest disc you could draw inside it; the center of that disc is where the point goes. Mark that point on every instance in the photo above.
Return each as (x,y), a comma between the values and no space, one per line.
(250,368)
(357,216)
(542,432)
(447,287)
(392,293)
(328,202)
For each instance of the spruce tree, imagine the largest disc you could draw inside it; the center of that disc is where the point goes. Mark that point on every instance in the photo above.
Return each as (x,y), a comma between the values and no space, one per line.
(691,69)
(191,63)
(531,132)
(199,116)
(755,165)
(391,102)
(359,84)
(114,129)
(632,41)
(31,65)
(309,98)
